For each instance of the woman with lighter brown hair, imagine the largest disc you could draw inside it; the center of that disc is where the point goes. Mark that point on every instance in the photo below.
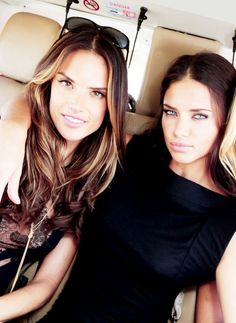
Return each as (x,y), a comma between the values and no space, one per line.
(78,98)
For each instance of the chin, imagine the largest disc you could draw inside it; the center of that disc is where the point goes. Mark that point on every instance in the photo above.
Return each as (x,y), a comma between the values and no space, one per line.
(184,161)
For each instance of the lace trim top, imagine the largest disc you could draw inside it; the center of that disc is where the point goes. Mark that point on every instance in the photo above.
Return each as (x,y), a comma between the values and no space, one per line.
(13,238)
(14,234)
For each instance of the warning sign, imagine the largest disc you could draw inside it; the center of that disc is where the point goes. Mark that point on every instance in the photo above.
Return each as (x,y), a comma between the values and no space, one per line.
(91,4)
(122,9)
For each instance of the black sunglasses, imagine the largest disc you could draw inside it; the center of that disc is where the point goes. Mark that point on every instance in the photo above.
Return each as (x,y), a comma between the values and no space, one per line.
(116,37)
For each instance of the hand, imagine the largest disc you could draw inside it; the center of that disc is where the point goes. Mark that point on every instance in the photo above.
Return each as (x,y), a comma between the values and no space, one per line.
(12,144)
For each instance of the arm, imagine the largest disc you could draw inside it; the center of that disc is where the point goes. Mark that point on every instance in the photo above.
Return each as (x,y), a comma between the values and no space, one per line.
(226,281)
(44,284)
(208,309)
(14,123)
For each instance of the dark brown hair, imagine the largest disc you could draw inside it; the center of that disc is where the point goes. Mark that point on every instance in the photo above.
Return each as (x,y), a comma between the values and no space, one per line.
(219,76)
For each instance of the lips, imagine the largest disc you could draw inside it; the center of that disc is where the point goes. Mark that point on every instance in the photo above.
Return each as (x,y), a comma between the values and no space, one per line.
(180,147)
(177,144)
(73,121)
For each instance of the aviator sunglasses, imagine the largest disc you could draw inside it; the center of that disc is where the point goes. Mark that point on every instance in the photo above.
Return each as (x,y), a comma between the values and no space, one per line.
(115,37)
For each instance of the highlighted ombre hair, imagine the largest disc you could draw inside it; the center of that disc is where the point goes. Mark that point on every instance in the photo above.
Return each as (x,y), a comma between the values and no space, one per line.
(227,151)
(73,189)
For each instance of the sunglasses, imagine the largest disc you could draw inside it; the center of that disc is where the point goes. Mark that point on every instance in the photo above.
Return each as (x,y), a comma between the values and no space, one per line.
(115,37)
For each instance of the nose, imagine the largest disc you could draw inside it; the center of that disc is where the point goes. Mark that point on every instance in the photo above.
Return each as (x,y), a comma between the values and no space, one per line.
(77,101)
(182,127)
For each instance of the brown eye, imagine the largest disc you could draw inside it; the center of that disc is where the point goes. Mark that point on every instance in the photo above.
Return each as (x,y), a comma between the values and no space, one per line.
(65,83)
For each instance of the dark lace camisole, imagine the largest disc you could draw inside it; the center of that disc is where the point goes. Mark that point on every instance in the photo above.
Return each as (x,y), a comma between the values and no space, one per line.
(13,238)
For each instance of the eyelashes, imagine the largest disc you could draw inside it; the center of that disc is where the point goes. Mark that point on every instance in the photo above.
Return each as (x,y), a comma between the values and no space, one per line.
(173,113)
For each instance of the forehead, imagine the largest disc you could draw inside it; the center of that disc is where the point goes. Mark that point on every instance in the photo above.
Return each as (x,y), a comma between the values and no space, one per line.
(85,63)
(189,94)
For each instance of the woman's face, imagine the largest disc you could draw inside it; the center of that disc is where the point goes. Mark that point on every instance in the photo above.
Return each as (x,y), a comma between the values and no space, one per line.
(78,96)
(189,122)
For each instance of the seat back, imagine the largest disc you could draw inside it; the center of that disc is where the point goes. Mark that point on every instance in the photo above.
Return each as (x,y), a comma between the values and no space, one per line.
(165,47)
(24,40)
(37,315)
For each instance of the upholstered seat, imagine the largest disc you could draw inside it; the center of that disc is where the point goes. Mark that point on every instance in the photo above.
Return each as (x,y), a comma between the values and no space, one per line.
(166,45)
(24,39)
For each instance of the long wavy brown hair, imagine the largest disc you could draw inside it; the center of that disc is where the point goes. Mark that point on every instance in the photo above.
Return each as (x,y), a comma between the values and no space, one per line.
(72,190)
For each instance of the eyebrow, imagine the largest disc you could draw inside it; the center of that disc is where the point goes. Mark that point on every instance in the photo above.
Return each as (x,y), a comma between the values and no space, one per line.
(72,81)
(192,110)
(66,76)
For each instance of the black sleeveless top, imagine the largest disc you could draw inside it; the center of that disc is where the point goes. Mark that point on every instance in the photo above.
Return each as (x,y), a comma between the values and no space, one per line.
(152,233)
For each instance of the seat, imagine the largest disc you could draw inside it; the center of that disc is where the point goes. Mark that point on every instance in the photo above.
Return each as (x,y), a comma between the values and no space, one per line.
(166,45)
(41,312)
(24,40)
(184,306)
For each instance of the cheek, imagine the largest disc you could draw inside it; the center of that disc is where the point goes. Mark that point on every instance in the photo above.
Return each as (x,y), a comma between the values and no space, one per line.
(165,127)
(207,138)
(51,107)
(212,138)
(52,100)
(54,109)
(56,100)
(57,95)
(99,114)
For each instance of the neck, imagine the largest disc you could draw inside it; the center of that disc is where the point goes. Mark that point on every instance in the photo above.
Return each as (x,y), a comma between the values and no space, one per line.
(196,173)
(70,148)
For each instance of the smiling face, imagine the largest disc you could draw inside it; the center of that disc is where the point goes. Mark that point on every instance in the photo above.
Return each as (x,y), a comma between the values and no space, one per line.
(189,123)
(78,96)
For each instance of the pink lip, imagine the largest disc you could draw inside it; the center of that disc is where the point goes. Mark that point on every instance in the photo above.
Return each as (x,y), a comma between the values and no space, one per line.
(73,121)
(179,147)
